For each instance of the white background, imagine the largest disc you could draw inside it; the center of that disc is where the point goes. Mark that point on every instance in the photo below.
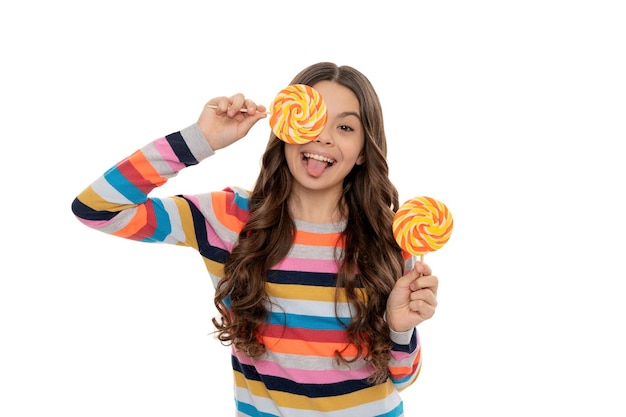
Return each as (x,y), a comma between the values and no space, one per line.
(510,112)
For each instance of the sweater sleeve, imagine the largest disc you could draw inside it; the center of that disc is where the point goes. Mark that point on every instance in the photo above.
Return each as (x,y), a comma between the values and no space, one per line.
(406,358)
(117,203)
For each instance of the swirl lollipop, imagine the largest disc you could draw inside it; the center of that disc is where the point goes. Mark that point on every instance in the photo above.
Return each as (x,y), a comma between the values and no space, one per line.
(422,225)
(298,114)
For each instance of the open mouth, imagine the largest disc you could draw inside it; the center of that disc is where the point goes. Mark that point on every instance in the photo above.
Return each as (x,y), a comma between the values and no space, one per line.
(328,161)
(316,164)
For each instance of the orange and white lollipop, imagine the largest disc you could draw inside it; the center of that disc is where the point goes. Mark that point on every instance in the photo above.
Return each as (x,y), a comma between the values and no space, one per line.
(298,114)
(422,225)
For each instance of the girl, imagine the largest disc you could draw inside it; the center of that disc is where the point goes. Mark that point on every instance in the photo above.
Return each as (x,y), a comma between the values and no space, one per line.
(318,302)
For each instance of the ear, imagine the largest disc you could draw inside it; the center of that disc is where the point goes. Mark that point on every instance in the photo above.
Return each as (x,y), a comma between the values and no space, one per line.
(361,159)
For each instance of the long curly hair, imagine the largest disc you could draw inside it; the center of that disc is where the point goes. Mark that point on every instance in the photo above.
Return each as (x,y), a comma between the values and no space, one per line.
(369,203)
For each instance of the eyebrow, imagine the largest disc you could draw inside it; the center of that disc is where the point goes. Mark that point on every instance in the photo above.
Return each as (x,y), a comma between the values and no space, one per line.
(349,113)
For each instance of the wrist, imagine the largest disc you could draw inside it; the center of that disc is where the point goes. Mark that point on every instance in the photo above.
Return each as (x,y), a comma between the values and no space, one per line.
(394,328)
(401,338)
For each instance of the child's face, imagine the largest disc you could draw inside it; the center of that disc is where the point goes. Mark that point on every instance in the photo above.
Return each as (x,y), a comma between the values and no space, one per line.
(325,162)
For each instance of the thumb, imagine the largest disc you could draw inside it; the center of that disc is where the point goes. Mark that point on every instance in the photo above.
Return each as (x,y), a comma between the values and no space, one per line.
(246,124)
(405,281)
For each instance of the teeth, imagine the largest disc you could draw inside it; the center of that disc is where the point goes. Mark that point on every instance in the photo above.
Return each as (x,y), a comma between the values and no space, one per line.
(318,157)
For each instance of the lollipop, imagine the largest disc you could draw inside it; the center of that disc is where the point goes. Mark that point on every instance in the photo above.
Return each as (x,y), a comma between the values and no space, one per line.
(298,114)
(422,225)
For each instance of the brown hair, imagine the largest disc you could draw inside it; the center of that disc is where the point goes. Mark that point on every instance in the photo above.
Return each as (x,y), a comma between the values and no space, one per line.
(369,202)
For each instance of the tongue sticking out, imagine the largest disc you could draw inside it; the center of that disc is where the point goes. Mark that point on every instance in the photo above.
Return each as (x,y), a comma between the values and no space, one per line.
(315,167)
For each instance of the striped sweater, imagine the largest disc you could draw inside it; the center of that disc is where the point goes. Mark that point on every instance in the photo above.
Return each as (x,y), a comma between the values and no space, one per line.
(298,375)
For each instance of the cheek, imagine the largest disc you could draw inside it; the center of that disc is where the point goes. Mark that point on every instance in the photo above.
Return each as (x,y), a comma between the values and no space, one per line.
(292,156)
(290,152)
(358,153)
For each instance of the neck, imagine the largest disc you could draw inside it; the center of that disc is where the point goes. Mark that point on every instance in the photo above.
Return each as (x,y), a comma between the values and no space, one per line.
(315,206)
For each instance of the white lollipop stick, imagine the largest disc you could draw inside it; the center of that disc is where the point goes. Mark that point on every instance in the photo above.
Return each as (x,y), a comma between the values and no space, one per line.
(213,106)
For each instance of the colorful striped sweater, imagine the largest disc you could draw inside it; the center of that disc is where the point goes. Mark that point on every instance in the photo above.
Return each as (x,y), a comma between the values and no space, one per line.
(298,375)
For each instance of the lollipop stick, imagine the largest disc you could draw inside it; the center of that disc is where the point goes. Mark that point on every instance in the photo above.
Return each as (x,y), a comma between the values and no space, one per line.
(213,106)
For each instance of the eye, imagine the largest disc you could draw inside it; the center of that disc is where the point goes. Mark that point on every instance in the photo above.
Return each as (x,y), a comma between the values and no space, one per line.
(346,128)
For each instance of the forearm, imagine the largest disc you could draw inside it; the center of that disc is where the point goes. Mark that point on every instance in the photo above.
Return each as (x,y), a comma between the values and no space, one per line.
(118,203)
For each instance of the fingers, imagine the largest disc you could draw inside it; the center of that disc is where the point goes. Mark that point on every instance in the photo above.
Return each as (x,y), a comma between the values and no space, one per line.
(425,309)
(423,278)
(424,301)
(419,277)
(425,281)
(413,298)
(422,268)
(235,105)
(423,297)
(225,120)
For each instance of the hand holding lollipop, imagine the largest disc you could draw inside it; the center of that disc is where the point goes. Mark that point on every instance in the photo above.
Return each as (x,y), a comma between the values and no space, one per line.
(422,225)
(297,115)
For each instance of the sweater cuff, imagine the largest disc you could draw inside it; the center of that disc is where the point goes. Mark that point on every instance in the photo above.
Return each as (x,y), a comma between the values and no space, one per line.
(401,338)
(198,145)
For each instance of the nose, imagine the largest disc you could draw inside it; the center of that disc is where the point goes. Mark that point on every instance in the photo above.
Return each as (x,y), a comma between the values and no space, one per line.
(324,138)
